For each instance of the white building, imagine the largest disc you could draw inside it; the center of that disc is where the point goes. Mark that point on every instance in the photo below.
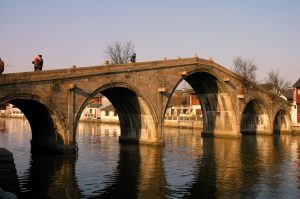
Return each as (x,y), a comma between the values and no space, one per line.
(12,111)
(109,114)
(100,110)
(92,111)
(184,104)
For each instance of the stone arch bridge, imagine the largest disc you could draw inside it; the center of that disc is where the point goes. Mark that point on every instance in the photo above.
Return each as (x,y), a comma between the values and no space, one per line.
(53,100)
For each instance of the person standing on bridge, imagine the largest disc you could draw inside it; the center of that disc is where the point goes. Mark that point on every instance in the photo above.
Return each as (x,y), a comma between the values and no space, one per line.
(35,62)
(1,66)
(133,57)
(38,63)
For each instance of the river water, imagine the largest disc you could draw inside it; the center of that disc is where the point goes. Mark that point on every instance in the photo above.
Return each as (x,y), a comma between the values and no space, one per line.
(188,166)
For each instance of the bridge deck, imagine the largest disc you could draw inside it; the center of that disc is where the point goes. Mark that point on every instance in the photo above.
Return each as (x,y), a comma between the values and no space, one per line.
(82,72)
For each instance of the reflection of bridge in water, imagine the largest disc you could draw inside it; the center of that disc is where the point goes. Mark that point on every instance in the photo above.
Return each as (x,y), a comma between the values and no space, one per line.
(204,167)
(54,100)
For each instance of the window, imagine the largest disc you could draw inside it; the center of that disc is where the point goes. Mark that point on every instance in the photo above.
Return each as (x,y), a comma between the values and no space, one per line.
(115,113)
(106,113)
(172,111)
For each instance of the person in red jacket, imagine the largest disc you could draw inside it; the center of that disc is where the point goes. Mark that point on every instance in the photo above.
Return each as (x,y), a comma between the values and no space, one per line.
(38,63)
(35,62)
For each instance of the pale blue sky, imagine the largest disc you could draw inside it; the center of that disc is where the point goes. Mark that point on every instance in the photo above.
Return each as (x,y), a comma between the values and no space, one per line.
(76,32)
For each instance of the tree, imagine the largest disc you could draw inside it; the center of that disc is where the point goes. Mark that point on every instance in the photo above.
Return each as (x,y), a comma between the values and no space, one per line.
(119,53)
(278,82)
(246,68)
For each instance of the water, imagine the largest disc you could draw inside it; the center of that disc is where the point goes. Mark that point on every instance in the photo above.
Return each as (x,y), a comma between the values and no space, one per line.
(188,166)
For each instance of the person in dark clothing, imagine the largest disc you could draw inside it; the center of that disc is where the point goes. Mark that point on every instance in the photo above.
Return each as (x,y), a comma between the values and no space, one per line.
(1,66)
(40,63)
(133,57)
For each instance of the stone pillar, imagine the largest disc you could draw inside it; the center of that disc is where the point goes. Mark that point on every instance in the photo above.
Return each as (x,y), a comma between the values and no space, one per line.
(71,104)
(70,145)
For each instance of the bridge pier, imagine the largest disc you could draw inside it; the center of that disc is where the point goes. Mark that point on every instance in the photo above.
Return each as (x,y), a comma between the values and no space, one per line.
(37,147)
(146,135)
(220,123)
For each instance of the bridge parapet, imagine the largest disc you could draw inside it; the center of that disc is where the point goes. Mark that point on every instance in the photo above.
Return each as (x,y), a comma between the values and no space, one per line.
(83,72)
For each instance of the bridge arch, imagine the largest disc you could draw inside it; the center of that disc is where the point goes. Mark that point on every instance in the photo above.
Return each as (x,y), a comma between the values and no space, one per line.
(282,122)
(138,120)
(255,117)
(49,131)
(219,112)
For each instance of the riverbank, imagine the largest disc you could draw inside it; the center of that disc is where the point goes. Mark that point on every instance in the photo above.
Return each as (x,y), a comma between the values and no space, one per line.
(167,123)
(183,124)
(104,121)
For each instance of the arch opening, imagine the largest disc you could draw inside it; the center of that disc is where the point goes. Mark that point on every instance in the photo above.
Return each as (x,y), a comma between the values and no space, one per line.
(135,116)
(127,106)
(255,118)
(216,105)
(183,109)
(282,123)
(43,129)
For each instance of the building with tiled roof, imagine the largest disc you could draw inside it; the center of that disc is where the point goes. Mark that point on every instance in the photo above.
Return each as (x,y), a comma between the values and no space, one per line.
(297,84)
(296,103)
(289,94)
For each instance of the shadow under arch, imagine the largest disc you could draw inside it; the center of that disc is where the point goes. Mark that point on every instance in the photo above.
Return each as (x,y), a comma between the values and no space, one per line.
(255,118)
(48,130)
(219,115)
(138,121)
(282,122)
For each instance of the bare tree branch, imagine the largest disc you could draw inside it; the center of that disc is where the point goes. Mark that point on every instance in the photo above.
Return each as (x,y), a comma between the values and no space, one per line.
(278,82)
(119,53)
(246,68)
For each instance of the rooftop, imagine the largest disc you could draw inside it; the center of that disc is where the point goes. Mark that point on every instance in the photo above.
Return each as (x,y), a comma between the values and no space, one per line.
(94,105)
(108,108)
(297,84)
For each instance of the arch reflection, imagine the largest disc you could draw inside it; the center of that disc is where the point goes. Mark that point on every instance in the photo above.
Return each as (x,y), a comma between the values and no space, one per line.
(187,167)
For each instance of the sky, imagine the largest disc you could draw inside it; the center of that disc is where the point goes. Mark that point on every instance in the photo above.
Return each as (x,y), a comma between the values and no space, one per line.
(77,32)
